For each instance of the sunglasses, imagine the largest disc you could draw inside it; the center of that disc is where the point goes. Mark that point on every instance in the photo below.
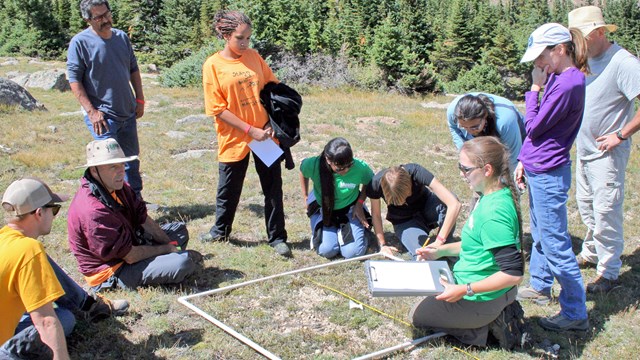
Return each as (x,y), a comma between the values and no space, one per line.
(467,169)
(342,167)
(477,127)
(55,208)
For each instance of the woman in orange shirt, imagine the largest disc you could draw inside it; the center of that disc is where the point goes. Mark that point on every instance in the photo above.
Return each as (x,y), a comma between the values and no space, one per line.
(232,80)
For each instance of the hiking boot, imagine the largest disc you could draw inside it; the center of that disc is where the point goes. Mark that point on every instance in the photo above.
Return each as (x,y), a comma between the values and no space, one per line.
(558,322)
(208,237)
(282,249)
(583,263)
(530,294)
(195,256)
(103,308)
(601,285)
(508,328)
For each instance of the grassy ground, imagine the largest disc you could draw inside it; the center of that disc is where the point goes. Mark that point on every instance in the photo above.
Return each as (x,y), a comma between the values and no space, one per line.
(297,317)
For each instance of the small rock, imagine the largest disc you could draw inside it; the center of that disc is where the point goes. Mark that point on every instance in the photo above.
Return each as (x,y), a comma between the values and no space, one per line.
(177,134)
(152,68)
(146,124)
(53,129)
(73,113)
(191,154)
(10,62)
(193,119)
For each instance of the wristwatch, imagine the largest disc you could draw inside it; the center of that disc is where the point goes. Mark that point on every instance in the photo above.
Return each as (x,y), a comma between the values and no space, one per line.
(469,290)
(619,135)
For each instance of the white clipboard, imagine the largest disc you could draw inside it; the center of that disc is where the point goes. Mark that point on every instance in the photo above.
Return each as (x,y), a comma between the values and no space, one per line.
(268,151)
(406,278)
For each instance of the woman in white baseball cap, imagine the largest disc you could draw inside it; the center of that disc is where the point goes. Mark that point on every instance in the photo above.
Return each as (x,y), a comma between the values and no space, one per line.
(552,122)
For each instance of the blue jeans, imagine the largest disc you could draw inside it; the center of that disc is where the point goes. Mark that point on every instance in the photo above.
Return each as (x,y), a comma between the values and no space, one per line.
(26,342)
(165,269)
(126,134)
(414,233)
(551,253)
(330,245)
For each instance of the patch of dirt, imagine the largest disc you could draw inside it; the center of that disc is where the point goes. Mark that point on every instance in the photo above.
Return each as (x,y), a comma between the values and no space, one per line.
(449,152)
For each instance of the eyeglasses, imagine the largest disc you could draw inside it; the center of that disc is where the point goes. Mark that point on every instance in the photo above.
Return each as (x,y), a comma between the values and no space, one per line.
(479,126)
(467,169)
(55,208)
(99,18)
(340,168)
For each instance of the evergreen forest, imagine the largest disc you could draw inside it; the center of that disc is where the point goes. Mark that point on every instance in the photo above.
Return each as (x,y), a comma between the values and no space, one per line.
(409,46)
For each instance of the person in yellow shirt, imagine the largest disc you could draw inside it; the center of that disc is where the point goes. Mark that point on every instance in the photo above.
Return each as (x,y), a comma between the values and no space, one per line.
(232,80)
(31,282)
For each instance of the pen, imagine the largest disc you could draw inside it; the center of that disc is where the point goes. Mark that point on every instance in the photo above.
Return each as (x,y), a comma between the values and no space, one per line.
(426,243)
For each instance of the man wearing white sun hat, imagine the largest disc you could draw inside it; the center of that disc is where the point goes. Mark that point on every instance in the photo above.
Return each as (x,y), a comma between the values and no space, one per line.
(604,145)
(116,244)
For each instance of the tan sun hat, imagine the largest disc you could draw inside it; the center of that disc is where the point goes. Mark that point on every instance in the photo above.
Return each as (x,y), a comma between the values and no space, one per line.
(587,19)
(105,152)
(25,195)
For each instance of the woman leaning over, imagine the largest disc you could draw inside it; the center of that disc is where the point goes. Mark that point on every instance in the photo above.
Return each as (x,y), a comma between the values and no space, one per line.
(232,79)
(416,204)
(336,204)
(552,122)
(482,300)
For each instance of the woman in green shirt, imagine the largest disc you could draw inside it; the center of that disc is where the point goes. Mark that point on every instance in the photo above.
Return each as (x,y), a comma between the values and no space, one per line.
(482,300)
(336,205)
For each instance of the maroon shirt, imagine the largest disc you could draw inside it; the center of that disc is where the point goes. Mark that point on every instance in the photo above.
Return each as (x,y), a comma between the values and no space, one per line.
(101,231)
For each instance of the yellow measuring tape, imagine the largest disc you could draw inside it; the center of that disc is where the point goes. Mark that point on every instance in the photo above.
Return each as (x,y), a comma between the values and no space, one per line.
(375,310)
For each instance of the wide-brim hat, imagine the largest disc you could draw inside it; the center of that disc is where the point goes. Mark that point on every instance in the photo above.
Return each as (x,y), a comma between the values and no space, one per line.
(25,195)
(587,19)
(546,35)
(106,152)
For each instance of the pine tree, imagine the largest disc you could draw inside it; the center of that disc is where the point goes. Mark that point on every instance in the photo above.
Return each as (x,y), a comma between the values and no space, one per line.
(177,36)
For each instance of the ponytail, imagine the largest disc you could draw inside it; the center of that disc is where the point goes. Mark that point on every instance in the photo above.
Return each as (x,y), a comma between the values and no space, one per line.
(577,49)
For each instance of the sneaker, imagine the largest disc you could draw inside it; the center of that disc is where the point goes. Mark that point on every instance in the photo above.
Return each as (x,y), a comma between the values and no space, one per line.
(601,285)
(530,294)
(208,237)
(583,263)
(558,322)
(282,249)
(103,308)
(195,256)
(508,327)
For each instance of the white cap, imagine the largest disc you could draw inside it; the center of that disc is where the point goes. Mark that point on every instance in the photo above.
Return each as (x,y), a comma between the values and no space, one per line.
(25,195)
(546,35)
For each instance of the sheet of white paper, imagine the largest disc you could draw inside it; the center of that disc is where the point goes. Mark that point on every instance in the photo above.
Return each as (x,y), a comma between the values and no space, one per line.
(268,151)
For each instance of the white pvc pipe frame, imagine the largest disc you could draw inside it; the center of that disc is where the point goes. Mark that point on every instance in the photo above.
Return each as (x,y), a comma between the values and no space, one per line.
(184,300)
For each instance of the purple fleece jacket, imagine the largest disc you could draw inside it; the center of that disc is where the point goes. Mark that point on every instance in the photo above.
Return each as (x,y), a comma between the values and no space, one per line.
(553,123)
(101,231)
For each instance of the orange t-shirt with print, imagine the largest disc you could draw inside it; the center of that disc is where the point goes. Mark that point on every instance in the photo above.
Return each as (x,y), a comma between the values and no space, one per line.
(235,85)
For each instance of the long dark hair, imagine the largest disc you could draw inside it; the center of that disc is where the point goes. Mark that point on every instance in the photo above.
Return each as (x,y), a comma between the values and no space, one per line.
(339,152)
(479,106)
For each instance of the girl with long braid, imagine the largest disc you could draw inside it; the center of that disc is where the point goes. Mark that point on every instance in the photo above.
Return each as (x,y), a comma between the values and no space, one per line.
(336,205)
(482,301)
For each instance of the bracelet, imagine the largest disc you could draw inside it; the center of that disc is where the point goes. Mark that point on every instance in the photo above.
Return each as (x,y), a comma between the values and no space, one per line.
(248,128)
(140,101)
(360,201)
(440,238)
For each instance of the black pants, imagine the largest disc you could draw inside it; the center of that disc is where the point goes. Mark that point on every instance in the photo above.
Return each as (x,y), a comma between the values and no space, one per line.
(231,179)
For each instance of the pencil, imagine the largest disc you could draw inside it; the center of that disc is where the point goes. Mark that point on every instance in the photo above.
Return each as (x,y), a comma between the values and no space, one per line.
(426,243)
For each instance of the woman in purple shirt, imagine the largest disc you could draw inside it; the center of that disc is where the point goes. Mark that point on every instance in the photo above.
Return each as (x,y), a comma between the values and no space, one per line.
(560,63)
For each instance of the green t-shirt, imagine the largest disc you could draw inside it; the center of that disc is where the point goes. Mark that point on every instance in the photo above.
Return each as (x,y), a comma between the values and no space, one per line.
(347,186)
(492,224)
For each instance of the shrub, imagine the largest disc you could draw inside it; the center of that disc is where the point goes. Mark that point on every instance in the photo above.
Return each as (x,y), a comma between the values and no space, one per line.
(485,78)
(188,72)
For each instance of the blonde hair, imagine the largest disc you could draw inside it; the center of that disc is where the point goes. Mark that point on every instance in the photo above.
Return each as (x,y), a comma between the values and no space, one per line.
(489,150)
(396,185)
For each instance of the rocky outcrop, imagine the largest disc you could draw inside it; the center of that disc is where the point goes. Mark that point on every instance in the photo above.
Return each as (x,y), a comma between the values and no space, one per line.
(12,94)
(46,79)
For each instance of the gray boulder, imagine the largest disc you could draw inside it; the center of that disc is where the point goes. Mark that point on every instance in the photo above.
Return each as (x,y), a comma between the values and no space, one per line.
(12,94)
(46,79)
